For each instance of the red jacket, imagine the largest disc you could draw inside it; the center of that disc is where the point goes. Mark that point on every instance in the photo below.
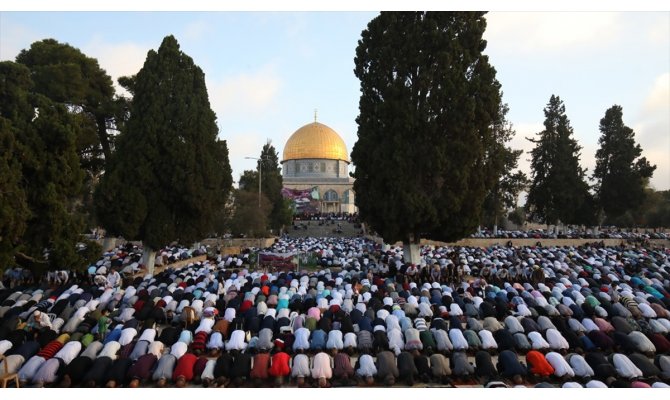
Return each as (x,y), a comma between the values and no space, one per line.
(50,349)
(280,364)
(185,366)
(261,366)
(538,364)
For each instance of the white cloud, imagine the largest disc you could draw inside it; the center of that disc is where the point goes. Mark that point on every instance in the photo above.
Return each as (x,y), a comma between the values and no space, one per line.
(652,129)
(196,30)
(548,32)
(525,130)
(118,59)
(658,99)
(661,158)
(659,32)
(244,95)
(14,38)
(240,145)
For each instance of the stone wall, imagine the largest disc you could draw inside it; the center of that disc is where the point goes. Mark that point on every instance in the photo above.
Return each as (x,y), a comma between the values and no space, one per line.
(532,242)
(175,265)
(242,243)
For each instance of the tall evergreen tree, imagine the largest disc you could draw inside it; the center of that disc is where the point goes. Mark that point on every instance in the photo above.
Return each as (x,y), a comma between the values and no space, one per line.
(558,191)
(45,226)
(67,76)
(222,214)
(429,98)
(14,210)
(620,173)
(271,185)
(507,184)
(169,177)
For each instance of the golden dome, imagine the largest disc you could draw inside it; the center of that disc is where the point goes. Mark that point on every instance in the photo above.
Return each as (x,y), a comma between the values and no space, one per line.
(315,140)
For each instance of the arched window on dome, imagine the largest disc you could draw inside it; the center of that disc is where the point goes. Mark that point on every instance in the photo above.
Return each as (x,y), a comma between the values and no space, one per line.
(330,195)
(348,197)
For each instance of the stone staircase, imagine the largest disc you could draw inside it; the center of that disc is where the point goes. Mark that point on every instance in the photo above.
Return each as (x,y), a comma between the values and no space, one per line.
(328,229)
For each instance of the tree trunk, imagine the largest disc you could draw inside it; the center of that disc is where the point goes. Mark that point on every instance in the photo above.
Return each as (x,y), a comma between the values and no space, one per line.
(102,136)
(108,243)
(495,229)
(411,254)
(149,259)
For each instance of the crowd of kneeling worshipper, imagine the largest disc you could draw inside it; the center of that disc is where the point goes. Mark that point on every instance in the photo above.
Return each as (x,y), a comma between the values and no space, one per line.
(631,236)
(501,316)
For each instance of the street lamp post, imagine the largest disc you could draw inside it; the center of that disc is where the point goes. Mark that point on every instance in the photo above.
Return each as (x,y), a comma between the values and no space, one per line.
(260,174)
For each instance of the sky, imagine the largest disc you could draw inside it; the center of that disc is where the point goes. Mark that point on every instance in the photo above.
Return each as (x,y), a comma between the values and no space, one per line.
(267,72)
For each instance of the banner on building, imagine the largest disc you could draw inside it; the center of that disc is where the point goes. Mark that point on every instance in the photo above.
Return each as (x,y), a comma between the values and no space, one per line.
(304,201)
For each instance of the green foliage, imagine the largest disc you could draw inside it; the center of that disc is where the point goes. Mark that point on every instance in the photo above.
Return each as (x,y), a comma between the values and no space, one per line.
(248,219)
(558,191)
(42,217)
(654,211)
(429,98)
(249,181)
(67,76)
(14,210)
(518,216)
(283,214)
(620,173)
(170,176)
(222,215)
(272,183)
(507,184)
(90,252)
(659,216)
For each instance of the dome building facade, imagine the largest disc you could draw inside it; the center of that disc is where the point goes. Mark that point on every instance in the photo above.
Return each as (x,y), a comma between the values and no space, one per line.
(315,171)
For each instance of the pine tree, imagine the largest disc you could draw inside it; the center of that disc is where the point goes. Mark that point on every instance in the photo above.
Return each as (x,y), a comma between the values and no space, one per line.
(46,225)
(67,76)
(170,175)
(14,210)
(429,98)
(620,173)
(558,191)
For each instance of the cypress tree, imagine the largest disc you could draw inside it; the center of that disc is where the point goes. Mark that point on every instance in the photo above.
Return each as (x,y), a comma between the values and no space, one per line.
(429,98)
(170,176)
(620,173)
(558,191)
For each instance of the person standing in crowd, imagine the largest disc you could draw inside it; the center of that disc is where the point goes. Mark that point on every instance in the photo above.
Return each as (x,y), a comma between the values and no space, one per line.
(113,279)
